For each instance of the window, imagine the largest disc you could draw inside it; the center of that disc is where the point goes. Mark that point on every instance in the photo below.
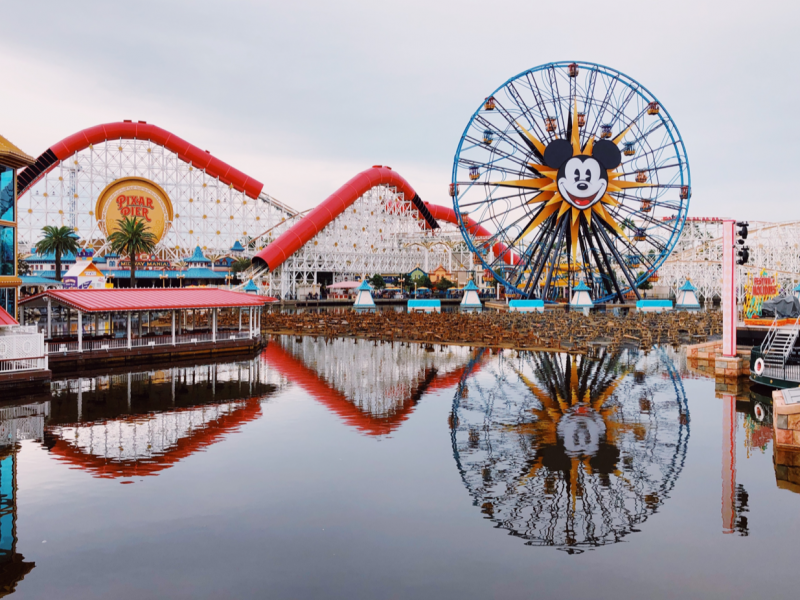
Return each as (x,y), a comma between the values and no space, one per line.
(7,300)
(6,194)
(8,259)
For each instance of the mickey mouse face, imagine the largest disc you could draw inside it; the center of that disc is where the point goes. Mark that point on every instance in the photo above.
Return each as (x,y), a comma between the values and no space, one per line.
(582,179)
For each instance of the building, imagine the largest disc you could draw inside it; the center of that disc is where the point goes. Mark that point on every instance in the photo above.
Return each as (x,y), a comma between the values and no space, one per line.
(11,159)
(439,273)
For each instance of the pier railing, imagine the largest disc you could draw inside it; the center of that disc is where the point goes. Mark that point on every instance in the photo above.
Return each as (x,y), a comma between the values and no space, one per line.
(22,350)
(72,347)
(24,364)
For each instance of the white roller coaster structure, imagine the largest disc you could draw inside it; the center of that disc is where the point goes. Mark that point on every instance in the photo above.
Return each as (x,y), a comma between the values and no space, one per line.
(774,247)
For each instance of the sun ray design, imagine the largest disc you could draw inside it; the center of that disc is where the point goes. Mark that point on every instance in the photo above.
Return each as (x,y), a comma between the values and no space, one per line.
(547,186)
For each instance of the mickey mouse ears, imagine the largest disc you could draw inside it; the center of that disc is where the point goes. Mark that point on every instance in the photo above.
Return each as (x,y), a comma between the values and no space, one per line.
(559,152)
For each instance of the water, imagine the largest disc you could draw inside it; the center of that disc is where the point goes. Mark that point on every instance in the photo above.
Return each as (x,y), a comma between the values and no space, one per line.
(355,470)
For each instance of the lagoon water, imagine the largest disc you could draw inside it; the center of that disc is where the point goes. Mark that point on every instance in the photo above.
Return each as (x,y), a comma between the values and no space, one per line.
(346,469)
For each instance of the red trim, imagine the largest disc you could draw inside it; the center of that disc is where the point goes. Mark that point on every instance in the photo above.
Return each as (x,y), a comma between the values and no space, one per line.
(6,320)
(299,234)
(150,299)
(145,131)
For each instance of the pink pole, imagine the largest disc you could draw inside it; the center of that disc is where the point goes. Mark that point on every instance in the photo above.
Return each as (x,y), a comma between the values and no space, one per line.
(728,290)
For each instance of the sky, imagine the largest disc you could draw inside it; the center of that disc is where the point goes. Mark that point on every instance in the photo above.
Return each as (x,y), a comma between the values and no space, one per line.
(304,95)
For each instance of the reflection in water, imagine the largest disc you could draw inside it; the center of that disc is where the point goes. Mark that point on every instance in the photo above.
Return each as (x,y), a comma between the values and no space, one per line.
(17,423)
(571,452)
(372,386)
(136,424)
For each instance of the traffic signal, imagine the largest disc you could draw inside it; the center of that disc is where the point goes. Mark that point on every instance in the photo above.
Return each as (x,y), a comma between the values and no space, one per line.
(741,235)
(744,255)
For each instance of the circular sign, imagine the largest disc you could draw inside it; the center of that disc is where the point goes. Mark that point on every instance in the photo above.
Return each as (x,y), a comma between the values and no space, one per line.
(134,197)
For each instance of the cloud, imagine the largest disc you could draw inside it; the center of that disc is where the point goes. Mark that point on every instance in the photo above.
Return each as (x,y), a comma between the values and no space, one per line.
(303,95)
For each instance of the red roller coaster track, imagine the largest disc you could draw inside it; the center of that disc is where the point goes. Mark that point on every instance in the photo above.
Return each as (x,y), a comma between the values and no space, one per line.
(304,230)
(128,130)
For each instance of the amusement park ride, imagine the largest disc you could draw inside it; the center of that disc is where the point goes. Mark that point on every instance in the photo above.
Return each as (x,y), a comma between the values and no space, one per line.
(580,173)
(568,172)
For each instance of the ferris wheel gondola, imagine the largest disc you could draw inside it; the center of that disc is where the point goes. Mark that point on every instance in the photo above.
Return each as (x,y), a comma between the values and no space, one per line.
(572,168)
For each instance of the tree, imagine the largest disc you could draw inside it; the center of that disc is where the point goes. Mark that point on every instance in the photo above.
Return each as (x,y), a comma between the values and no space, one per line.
(132,238)
(240,264)
(59,241)
(23,268)
(444,284)
(421,281)
(645,285)
(377,281)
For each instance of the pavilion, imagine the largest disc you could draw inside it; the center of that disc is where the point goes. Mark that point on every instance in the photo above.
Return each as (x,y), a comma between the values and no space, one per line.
(105,323)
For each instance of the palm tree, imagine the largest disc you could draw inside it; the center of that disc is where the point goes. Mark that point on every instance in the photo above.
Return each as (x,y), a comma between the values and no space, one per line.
(240,264)
(58,240)
(132,238)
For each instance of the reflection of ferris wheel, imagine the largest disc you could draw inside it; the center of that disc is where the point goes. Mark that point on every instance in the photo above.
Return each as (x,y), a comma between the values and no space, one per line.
(569,452)
(576,171)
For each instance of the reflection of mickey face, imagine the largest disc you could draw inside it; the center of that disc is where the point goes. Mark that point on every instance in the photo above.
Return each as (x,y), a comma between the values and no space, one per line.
(582,181)
(581,430)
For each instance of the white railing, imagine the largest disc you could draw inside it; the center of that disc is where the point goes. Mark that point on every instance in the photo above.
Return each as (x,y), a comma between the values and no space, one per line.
(144,342)
(61,347)
(20,345)
(25,364)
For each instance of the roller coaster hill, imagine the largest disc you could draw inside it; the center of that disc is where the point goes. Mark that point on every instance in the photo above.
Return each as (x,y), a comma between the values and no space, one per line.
(202,206)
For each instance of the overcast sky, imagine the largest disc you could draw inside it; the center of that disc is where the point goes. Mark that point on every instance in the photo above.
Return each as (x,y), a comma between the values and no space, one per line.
(303,95)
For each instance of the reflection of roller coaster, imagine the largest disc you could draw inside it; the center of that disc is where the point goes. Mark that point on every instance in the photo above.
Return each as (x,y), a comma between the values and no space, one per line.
(570,452)
(138,424)
(372,387)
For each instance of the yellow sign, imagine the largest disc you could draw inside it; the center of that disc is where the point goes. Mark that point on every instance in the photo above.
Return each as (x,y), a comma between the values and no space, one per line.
(134,197)
(758,289)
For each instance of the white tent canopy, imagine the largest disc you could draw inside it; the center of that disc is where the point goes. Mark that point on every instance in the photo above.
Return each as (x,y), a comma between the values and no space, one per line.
(344,285)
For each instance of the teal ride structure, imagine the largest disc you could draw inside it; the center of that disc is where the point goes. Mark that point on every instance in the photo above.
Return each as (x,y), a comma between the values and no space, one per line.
(569,172)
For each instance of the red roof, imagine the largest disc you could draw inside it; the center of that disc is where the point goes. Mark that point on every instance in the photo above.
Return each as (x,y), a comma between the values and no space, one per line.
(6,319)
(150,299)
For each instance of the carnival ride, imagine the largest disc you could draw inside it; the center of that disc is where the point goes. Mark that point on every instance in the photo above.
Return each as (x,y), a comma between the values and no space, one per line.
(214,205)
(571,452)
(374,223)
(517,217)
(571,164)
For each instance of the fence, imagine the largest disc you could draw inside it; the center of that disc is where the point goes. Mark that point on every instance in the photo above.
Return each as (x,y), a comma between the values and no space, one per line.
(21,344)
(144,342)
(24,364)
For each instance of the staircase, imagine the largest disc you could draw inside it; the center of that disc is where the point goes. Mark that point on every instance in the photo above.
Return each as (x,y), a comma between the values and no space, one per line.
(251,273)
(778,345)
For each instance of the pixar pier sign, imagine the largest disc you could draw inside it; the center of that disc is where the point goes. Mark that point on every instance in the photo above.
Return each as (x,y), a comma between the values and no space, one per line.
(135,206)
(134,197)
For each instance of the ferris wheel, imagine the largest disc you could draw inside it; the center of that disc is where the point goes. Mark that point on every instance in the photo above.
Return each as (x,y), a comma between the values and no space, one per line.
(571,171)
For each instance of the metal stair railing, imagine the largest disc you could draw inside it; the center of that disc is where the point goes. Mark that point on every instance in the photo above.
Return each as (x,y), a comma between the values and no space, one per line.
(779,343)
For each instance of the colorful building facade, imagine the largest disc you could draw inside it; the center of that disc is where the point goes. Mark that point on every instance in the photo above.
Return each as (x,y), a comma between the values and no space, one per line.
(11,159)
